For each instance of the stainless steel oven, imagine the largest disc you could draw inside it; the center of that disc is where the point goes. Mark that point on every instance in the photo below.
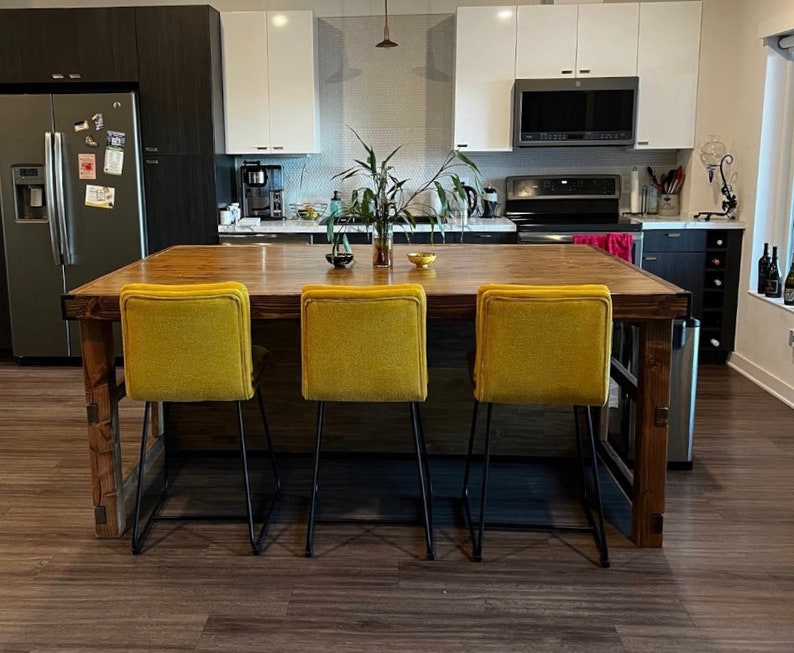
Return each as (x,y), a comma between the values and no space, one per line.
(549,209)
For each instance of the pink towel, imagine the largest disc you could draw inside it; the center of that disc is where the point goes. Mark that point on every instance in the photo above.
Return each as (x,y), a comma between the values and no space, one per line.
(619,244)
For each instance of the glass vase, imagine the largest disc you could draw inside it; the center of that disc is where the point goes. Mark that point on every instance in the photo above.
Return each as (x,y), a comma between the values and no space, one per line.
(382,242)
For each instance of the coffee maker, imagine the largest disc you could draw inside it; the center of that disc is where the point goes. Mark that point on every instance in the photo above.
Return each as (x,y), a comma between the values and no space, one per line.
(261,193)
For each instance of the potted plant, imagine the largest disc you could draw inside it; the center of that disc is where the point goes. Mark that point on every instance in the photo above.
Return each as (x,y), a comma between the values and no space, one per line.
(382,201)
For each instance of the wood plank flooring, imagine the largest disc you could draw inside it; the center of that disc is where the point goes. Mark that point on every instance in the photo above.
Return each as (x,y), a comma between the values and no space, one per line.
(724,580)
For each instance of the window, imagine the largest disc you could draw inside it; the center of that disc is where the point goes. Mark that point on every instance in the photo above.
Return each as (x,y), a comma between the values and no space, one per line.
(774,209)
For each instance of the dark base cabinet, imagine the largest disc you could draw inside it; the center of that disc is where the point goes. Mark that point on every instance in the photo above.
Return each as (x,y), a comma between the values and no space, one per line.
(705,262)
(181,199)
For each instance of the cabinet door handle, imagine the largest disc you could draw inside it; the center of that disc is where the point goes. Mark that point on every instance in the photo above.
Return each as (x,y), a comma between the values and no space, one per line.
(649,258)
(673,235)
(57,76)
(260,147)
(151,162)
(278,147)
(484,236)
(150,149)
(584,71)
(567,72)
(460,145)
(75,76)
(643,142)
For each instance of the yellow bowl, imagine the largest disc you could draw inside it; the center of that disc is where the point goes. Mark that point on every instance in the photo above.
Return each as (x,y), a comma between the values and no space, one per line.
(422,259)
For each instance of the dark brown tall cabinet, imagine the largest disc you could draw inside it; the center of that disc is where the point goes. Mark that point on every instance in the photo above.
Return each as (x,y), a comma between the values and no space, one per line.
(181,98)
(63,46)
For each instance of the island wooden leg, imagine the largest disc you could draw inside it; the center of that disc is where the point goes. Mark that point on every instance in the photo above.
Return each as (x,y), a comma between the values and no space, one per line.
(650,444)
(99,374)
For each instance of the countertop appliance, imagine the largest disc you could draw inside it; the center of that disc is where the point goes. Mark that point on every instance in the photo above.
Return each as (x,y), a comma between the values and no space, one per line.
(260,191)
(554,208)
(70,196)
(589,111)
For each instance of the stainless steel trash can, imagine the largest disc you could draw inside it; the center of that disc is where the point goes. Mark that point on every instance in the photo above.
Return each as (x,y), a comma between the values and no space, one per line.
(683,388)
(621,421)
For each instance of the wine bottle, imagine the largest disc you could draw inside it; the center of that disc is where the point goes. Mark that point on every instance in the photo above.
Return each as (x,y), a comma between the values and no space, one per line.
(773,276)
(763,269)
(788,287)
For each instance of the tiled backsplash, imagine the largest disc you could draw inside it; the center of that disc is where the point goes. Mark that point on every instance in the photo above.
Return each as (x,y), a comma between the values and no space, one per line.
(404,96)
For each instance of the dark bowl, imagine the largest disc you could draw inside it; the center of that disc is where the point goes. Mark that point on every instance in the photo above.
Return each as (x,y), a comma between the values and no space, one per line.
(340,259)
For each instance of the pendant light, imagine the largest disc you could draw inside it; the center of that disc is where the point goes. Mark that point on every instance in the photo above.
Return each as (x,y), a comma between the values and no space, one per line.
(386,42)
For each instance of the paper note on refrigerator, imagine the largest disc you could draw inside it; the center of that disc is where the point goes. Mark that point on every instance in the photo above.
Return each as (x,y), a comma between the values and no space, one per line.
(101,197)
(114,161)
(87,166)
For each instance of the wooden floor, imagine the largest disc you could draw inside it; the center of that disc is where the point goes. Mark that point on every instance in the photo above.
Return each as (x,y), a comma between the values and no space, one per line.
(724,580)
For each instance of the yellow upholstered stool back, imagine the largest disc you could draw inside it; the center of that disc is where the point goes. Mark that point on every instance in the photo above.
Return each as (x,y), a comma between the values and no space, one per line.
(364,343)
(187,342)
(543,344)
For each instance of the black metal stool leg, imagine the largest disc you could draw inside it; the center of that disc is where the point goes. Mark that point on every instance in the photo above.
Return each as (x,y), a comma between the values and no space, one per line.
(256,546)
(315,481)
(600,536)
(477,553)
(271,452)
(426,460)
(580,452)
(464,496)
(423,480)
(139,536)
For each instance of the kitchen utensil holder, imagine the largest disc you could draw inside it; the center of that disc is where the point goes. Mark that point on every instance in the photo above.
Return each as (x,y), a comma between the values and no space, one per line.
(669,205)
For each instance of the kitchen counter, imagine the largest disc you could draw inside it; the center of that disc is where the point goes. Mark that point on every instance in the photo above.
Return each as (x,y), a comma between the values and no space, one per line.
(277,227)
(685,222)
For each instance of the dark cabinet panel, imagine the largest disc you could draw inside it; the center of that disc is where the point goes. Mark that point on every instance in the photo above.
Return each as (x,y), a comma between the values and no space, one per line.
(180,79)
(181,206)
(706,262)
(487,237)
(684,269)
(67,45)
(681,240)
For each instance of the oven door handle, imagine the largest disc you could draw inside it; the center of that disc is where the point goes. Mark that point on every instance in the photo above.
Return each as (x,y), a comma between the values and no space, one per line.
(529,238)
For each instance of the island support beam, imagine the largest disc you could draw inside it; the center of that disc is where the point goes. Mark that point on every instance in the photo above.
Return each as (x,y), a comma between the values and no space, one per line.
(99,372)
(650,455)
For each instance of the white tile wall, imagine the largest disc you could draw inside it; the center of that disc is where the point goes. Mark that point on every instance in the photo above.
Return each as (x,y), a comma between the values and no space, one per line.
(403,96)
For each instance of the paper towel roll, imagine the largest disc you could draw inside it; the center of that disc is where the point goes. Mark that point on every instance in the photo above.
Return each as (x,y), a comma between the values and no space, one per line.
(635,191)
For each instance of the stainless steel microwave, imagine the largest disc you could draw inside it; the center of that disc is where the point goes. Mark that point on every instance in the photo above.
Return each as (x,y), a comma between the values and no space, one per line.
(589,111)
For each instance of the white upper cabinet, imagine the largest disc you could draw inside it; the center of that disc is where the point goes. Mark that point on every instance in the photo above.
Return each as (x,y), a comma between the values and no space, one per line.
(270,84)
(546,41)
(589,40)
(668,69)
(484,74)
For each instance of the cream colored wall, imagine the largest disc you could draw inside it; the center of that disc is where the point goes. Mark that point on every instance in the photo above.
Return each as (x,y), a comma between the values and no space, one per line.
(730,103)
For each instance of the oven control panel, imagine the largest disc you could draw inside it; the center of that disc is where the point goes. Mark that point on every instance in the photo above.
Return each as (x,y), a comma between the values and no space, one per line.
(572,186)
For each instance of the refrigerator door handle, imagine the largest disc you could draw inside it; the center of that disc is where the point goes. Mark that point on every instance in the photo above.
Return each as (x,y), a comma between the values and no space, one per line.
(66,250)
(52,208)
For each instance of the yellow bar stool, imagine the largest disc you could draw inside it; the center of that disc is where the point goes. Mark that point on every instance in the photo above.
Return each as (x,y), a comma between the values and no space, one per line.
(387,362)
(192,343)
(542,345)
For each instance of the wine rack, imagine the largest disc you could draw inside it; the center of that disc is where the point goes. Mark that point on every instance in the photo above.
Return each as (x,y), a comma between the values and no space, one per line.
(706,263)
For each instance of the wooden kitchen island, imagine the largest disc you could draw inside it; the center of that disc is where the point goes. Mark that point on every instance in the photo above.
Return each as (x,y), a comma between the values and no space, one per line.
(274,275)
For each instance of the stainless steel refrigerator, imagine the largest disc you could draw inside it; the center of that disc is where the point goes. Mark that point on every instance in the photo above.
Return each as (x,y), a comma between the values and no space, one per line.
(72,208)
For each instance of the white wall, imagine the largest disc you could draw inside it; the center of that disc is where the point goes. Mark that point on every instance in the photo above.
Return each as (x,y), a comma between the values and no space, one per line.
(733,66)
